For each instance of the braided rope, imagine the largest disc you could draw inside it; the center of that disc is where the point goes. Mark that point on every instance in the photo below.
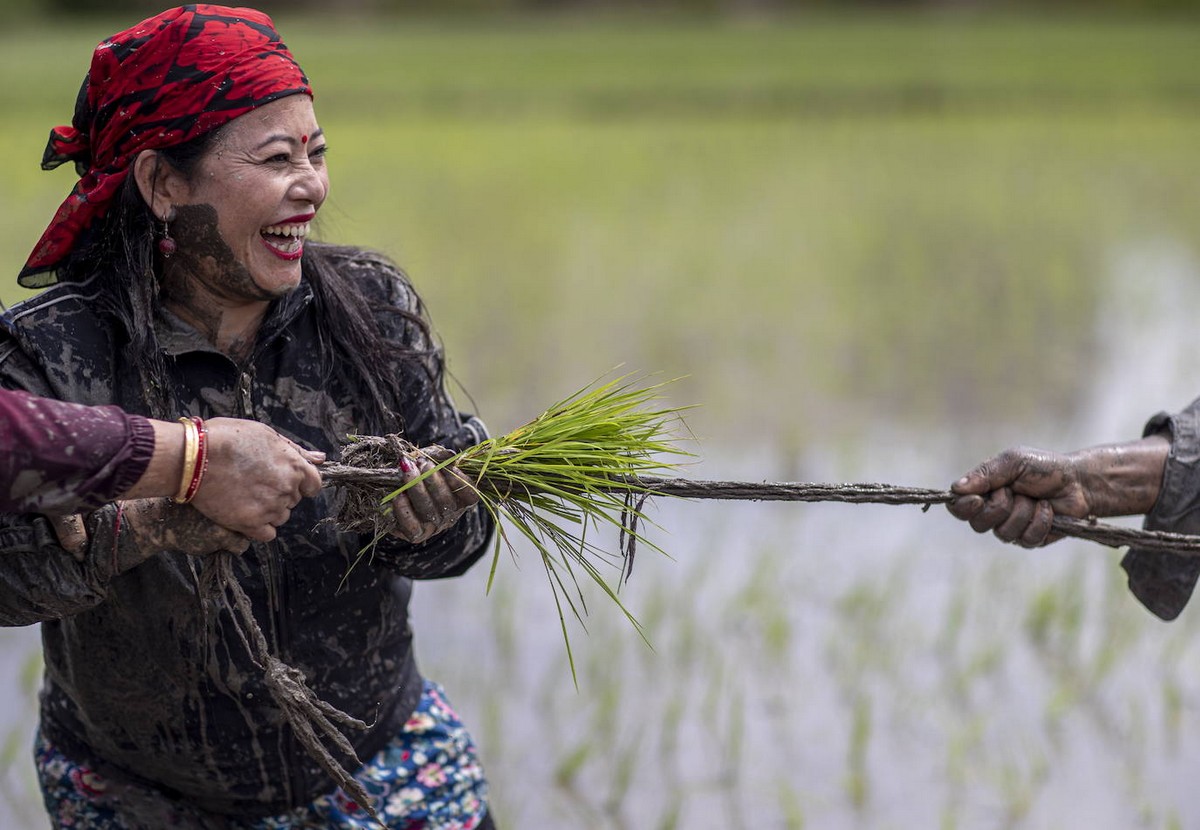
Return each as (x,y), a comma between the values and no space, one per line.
(1089,529)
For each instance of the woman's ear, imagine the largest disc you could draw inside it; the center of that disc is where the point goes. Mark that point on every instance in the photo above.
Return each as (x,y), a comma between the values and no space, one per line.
(159,183)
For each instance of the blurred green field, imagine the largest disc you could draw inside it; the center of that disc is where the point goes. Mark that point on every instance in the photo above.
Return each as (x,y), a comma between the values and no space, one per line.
(882,236)
(747,203)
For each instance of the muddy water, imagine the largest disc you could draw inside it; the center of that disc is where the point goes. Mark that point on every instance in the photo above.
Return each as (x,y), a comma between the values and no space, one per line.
(841,666)
(835,666)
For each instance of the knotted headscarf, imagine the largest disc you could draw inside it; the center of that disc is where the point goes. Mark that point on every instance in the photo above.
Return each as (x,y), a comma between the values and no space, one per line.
(163,82)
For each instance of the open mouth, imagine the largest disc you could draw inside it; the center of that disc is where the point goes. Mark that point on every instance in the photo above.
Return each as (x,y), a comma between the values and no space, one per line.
(286,240)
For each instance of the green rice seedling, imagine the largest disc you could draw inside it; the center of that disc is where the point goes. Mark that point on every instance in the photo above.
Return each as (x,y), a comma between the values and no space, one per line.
(1020,782)
(571,471)
(670,818)
(625,771)
(566,771)
(858,777)
(792,806)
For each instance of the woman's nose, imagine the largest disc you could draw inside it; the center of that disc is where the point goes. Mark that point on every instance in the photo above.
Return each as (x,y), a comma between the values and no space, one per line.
(311,184)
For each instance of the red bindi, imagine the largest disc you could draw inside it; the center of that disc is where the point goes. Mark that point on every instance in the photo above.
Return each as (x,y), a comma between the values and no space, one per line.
(303,139)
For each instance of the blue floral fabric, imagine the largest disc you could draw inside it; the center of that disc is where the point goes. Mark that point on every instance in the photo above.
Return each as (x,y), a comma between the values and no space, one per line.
(428,776)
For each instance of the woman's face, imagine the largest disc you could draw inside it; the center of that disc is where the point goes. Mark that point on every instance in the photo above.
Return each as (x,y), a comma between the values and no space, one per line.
(241,223)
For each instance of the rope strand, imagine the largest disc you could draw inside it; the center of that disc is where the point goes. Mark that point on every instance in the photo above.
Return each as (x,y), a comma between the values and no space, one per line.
(1088,529)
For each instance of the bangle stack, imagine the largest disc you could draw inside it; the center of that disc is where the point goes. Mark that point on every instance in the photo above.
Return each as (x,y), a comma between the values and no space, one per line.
(195,458)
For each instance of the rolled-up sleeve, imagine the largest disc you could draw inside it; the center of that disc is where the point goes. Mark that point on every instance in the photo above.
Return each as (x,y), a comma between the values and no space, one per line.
(58,457)
(1164,582)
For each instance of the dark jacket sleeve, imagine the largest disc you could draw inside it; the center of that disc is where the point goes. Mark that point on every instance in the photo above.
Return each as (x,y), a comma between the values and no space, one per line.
(39,579)
(430,417)
(1164,582)
(58,457)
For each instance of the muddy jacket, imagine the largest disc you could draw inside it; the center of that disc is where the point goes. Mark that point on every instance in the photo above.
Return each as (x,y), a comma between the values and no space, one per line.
(143,682)
(57,457)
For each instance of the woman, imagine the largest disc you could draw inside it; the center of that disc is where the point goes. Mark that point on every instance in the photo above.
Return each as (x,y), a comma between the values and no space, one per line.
(1017,494)
(58,457)
(188,287)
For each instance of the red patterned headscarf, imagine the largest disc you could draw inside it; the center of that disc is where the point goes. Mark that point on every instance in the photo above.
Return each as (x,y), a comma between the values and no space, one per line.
(163,82)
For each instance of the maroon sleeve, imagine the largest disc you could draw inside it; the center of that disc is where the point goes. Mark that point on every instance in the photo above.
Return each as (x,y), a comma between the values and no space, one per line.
(58,457)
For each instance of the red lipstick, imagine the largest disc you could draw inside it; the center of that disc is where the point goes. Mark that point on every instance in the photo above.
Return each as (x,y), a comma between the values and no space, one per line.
(297,220)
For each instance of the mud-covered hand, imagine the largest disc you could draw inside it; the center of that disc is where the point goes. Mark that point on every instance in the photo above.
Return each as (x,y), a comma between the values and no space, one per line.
(149,527)
(435,503)
(255,477)
(161,524)
(1017,494)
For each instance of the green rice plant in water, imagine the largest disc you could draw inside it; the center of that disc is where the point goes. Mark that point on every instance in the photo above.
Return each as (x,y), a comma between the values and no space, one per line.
(573,470)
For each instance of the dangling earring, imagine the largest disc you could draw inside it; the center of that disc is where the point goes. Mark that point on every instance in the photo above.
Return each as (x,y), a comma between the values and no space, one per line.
(166,245)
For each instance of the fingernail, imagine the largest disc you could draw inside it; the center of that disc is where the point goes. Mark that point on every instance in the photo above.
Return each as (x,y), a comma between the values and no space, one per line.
(406,465)
(962,482)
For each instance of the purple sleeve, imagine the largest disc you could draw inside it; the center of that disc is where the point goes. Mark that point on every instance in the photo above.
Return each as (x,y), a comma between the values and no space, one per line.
(58,457)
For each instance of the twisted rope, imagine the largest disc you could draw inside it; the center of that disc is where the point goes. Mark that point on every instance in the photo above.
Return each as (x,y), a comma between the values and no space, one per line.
(1089,529)
(310,717)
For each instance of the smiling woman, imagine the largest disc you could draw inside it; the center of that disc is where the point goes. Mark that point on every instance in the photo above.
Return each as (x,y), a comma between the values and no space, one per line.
(237,219)
(187,286)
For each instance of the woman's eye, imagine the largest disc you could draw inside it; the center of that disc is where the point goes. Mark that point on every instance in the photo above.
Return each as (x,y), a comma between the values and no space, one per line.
(319,152)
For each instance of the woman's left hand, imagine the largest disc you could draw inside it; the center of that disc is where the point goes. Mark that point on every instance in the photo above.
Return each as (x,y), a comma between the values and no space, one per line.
(435,503)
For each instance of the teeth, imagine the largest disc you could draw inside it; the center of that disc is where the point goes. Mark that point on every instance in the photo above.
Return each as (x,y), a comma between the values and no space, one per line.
(288,247)
(298,231)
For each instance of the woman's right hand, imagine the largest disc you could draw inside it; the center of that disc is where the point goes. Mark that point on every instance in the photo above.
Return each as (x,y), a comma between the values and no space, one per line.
(149,526)
(1017,494)
(255,477)
(161,524)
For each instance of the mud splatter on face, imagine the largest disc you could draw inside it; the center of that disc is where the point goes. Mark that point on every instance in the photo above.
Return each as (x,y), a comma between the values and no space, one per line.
(204,256)
(204,272)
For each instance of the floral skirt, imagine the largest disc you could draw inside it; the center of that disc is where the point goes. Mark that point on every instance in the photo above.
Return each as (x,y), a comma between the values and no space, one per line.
(429,776)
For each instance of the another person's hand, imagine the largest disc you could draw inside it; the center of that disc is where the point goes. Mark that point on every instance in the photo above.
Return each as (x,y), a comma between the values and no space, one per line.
(434,504)
(1017,494)
(255,477)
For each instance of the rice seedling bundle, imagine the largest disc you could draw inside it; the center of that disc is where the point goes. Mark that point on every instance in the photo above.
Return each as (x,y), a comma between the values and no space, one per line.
(557,481)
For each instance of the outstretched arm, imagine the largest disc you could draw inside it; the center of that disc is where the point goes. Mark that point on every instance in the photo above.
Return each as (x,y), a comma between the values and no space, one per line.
(1017,493)
(58,457)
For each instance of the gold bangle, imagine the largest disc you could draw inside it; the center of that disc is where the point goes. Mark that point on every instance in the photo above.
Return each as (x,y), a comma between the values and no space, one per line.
(191,452)
(201,459)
